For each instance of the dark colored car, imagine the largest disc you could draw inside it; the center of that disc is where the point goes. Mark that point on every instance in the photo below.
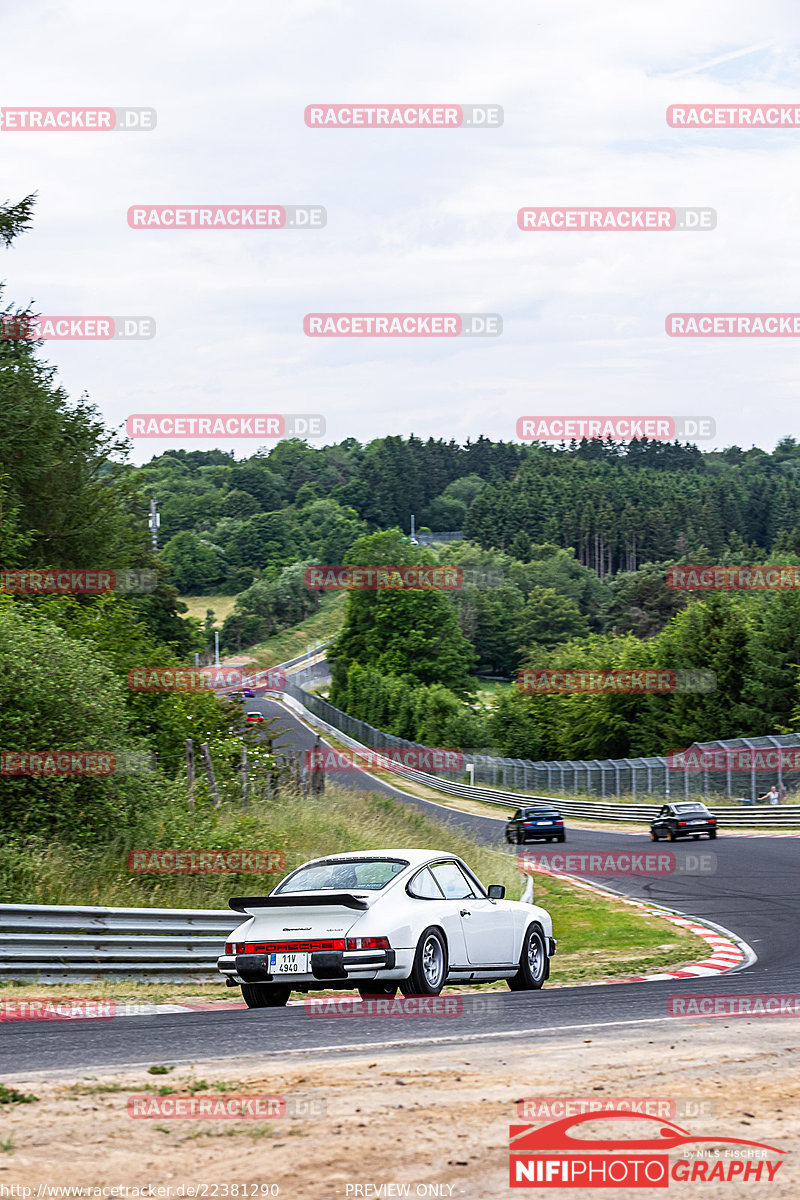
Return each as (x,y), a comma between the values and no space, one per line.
(686,818)
(535,824)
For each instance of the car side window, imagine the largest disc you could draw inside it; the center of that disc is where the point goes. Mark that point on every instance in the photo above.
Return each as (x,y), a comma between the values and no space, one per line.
(664,812)
(452,882)
(517,815)
(424,887)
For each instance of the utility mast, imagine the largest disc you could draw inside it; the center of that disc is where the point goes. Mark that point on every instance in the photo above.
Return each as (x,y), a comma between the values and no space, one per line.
(154,522)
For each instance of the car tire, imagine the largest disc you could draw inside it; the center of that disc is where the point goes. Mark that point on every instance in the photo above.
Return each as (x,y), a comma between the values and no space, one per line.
(654,836)
(509,839)
(671,836)
(430,965)
(367,991)
(265,995)
(563,838)
(532,963)
(712,835)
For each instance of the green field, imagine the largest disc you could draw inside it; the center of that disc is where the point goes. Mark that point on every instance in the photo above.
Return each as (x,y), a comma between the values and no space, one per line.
(199,605)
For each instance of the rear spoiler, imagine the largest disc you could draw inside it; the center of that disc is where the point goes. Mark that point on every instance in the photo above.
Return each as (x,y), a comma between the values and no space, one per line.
(243,904)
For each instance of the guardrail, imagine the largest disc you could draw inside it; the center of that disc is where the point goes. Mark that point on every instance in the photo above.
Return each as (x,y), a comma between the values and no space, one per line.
(53,943)
(634,813)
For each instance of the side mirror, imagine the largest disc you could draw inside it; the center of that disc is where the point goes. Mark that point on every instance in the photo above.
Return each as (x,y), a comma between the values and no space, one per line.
(497,891)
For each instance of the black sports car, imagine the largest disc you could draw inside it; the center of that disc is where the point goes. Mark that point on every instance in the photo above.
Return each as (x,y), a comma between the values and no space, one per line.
(687,818)
(533,824)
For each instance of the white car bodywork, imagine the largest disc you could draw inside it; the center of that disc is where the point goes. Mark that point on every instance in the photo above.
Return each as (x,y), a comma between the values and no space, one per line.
(484,936)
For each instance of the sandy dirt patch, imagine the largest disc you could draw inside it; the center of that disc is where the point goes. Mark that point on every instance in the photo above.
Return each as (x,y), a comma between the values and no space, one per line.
(427,1118)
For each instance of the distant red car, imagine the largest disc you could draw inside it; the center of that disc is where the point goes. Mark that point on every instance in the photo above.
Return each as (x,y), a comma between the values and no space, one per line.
(253,717)
(665,1135)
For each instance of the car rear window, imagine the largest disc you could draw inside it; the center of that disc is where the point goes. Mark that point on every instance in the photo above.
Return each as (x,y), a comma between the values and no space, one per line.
(361,874)
(690,808)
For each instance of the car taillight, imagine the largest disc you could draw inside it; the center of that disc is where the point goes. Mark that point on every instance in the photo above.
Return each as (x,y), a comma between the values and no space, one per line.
(229,948)
(559,822)
(368,943)
(288,947)
(683,822)
(712,820)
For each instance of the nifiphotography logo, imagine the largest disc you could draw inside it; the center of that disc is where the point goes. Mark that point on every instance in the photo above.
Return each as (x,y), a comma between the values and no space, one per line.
(569,1153)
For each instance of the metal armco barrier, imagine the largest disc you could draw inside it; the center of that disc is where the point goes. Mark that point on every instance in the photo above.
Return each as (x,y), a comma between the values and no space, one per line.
(740,817)
(55,943)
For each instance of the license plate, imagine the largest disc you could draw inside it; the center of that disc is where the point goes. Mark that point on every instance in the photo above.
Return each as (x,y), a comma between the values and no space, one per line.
(544,822)
(288,964)
(700,822)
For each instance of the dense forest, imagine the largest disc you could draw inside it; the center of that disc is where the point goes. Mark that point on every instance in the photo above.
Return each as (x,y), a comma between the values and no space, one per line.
(565,553)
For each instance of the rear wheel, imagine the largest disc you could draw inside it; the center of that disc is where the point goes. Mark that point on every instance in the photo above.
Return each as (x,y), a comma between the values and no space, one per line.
(532,964)
(368,990)
(265,995)
(671,835)
(430,966)
(654,836)
(509,838)
(712,834)
(562,838)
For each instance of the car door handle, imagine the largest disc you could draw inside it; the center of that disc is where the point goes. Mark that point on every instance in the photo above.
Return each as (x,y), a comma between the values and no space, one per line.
(465,912)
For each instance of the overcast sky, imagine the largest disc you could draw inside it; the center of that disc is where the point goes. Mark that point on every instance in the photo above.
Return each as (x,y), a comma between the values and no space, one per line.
(418,220)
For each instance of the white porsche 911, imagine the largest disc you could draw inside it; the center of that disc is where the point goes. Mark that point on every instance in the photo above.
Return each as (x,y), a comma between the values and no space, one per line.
(383,919)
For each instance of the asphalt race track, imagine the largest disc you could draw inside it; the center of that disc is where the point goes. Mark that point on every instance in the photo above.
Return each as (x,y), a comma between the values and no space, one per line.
(755,893)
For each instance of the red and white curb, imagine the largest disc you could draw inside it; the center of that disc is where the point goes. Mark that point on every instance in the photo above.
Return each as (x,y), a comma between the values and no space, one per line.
(728,952)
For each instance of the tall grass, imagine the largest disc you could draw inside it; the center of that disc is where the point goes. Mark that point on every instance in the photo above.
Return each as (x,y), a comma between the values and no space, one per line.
(597,938)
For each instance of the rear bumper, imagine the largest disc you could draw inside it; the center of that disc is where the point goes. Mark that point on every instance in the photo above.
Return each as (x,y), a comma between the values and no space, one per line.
(325,965)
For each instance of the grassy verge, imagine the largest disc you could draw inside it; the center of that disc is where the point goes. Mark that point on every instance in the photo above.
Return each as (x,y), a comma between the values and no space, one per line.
(597,938)
(317,628)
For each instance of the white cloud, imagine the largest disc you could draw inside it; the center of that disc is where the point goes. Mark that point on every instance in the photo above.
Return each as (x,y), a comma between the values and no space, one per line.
(417,220)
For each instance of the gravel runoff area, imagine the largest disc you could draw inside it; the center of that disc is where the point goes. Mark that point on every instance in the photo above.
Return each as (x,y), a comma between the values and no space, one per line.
(434,1118)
